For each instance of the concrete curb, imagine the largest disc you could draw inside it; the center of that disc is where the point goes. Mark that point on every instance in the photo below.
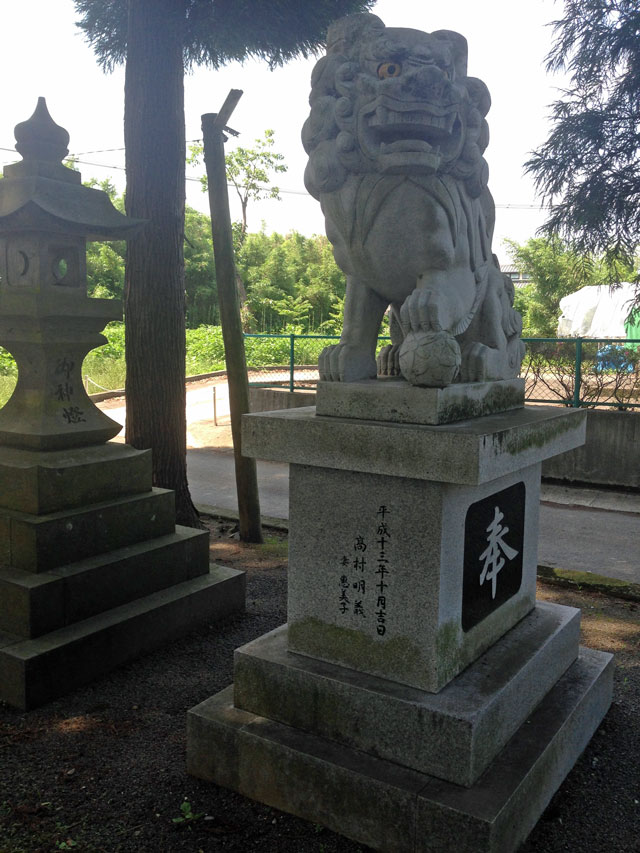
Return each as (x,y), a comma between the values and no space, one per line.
(231,515)
(590,497)
(120,392)
(589,582)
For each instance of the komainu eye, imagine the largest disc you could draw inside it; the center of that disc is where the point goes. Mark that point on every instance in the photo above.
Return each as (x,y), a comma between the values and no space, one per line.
(389,69)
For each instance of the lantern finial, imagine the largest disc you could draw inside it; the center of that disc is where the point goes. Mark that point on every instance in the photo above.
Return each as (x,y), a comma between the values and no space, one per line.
(40,138)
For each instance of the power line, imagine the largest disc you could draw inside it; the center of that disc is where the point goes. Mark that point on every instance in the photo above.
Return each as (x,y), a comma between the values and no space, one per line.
(303,193)
(108,150)
(97,151)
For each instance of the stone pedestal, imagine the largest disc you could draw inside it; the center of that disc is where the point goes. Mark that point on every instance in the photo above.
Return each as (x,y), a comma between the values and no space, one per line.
(418,699)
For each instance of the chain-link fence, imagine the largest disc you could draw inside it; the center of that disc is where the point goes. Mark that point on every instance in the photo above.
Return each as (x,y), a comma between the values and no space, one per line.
(287,361)
(583,372)
(574,372)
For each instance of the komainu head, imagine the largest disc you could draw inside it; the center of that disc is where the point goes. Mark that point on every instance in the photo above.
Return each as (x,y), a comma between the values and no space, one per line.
(394,101)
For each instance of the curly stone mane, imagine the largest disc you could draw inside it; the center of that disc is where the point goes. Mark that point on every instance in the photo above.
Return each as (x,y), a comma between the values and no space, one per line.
(330,134)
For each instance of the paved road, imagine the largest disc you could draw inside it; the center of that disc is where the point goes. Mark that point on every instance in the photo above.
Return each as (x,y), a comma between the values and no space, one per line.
(212,482)
(602,541)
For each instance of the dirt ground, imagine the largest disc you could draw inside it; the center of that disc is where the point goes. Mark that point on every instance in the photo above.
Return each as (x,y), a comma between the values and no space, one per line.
(103,769)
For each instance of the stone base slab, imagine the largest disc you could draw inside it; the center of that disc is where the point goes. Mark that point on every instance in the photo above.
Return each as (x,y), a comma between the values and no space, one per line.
(453,735)
(41,482)
(37,543)
(36,671)
(467,452)
(391,808)
(38,603)
(396,401)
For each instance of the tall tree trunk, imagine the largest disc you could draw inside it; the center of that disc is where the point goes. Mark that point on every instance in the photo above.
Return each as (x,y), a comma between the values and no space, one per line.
(154,292)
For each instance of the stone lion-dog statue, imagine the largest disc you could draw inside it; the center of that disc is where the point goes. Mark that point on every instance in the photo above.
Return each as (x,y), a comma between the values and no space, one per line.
(395,139)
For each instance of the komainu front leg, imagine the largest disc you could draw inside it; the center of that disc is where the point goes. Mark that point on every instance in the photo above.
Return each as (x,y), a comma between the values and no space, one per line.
(354,357)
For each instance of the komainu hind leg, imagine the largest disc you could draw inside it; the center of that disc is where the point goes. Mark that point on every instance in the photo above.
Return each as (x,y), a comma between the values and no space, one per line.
(492,348)
(388,356)
(354,357)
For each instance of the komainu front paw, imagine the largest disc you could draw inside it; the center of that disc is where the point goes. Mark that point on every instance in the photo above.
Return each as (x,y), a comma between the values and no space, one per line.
(387,360)
(345,363)
(428,310)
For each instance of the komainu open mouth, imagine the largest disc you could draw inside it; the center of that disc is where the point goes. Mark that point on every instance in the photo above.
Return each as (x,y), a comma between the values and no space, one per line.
(430,132)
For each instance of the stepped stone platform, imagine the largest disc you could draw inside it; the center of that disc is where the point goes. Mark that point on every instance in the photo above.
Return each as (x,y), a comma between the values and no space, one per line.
(94,571)
(454,734)
(379,799)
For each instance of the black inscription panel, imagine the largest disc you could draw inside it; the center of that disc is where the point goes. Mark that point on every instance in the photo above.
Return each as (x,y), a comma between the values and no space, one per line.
(493,544)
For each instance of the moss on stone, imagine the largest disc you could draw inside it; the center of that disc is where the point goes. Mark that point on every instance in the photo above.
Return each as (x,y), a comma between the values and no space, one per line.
(498,399)
(448,651)
(396,657)
(540,435)
(461,410)
(501,398)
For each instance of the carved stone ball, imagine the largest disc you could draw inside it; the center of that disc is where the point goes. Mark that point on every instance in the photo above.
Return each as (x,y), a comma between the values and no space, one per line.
(430,359)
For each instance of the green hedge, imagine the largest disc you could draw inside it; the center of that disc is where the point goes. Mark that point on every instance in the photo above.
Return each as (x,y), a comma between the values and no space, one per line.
(205,350)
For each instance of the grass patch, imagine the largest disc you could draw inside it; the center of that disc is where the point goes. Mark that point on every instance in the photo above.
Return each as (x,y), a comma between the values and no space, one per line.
(273,547)
(104,374)
(7,384)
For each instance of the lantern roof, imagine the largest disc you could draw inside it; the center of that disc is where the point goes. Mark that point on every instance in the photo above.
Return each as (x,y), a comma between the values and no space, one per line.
(40,193)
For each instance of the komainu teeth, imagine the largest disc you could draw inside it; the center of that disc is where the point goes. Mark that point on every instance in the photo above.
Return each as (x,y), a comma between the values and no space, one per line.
(382,114)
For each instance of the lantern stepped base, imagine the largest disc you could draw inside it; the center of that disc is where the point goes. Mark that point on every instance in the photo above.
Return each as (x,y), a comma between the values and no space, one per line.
(36,671)
(43,481)
(94,571)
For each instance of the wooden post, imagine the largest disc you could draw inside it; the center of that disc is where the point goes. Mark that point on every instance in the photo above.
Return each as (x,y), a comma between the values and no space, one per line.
(246,478)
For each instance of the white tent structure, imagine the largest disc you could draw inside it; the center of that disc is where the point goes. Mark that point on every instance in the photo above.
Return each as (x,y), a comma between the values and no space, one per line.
(597,311)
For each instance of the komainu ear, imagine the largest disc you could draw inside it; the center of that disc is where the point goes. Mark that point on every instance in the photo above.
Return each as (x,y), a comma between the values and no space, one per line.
(479,94)
(458,45)
(344,33)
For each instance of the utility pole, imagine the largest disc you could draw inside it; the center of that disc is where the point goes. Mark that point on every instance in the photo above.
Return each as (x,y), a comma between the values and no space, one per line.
(213,126)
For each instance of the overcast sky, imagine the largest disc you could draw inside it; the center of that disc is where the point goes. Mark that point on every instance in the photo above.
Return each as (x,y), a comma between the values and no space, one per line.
(43,53)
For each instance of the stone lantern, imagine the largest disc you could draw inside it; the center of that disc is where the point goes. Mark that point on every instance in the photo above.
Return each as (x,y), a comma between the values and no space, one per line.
(47,321)
(94,570)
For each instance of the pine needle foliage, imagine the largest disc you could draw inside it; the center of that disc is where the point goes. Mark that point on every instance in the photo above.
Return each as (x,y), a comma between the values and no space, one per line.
(588,169)
(220,31)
